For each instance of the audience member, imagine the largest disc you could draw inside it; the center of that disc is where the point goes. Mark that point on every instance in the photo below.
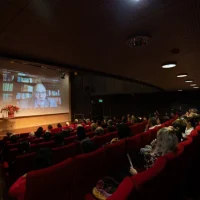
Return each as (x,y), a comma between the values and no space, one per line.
(190,125)
(180,126)
(31,135)
(50,127)
(42,160)
(12,137)
(66,133)
(85,143)
(99,131)
(59,139)
(110,127)
(166,142)
(47,137)
(39,132)
(59,125)
(93,126)
(123,132)
(152,123)
(23,147)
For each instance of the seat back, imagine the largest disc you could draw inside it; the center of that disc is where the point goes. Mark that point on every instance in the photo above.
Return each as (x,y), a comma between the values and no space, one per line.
(50,144)
(134,129)
(70,139)
(52,183)
(22,165)
(61,153)
(89,168)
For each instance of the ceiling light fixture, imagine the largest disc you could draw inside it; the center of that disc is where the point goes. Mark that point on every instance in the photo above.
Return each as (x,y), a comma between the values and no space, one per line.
(196,87)
(180,90)
(169,65)
(138,40)
(188,81)
(181,75)
(192,85)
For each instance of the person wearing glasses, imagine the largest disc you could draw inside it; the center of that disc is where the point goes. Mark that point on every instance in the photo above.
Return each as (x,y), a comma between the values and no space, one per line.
(39,99)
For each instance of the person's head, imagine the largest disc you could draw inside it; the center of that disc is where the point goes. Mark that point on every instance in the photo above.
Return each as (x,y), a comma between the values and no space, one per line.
(87,121)
(47,136)
(98,123)
(190,122)
(81,133)
(67,123)
(42,158)
(23,147)
(123,131)
(93,126)
(128,116)
(39,92)
(180,126)
(78,125)
(145,118)
(166,140)
(76,121)
(99,131)
(59,139)
(59,125)
(152,122)
(88,146)
(8,134)
(39,132)
(31,134)
(110,122)
(50,127)
(158,121)
(66,133)
(129,120)
(13,138)
(165,119)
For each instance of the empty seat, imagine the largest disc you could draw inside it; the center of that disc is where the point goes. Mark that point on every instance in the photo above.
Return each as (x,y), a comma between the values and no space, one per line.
(51,183)
(61,153)
(89,168)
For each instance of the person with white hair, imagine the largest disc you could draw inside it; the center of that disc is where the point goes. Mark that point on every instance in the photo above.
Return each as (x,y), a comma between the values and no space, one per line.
(39,99)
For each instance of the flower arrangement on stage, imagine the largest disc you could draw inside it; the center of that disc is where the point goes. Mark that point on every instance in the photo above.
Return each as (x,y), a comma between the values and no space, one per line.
(10,109)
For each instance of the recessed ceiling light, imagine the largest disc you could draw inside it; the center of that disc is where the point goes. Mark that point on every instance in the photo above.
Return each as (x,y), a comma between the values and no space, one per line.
(193,85)
(196,87)
(188,81)
(181,75)
(180,90)
(169,65)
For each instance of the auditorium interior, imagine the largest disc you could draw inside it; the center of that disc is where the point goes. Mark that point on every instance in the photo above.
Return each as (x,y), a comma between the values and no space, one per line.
(99,99)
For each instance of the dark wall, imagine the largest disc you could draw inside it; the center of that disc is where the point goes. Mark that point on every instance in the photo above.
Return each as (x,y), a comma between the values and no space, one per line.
(84,102)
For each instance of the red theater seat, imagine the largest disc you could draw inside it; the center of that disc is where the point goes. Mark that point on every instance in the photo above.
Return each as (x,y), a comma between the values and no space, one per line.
(50,144)
(61,153)
(70,139)
(51,183)
(89,168)
(134,129)
(145,138)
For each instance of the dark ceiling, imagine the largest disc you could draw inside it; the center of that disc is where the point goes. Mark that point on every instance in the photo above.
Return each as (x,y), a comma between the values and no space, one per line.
(91,34)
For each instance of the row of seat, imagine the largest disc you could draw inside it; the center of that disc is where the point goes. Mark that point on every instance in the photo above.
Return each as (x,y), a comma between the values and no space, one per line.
(75,177)
(168,178)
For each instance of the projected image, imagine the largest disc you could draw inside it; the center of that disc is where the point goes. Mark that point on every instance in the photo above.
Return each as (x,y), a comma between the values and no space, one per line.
(38,94)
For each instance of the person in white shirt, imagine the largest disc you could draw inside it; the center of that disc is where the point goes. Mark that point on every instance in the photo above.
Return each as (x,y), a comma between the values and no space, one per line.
(190,121)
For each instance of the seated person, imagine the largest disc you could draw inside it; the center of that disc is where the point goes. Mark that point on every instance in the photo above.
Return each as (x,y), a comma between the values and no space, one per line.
(23,147)
(93,126)
(110,126)
(59,140)
(123,132)
(66,133)
(39,132)
(152,123)
(59,125)
(12,137)
(87,122)
(85,143)
(98,123)
(99,131)
(42,160)
(180,126)
(190,125)
(166,142)
(31,135)
(50,128)
(47,137)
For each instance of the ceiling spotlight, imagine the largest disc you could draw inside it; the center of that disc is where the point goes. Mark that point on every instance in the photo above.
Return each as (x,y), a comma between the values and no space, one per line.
(192,85)
(138,40)
(181,75)
(188,81)
(196,87)
(169,65)
(180,90)
(62,75)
